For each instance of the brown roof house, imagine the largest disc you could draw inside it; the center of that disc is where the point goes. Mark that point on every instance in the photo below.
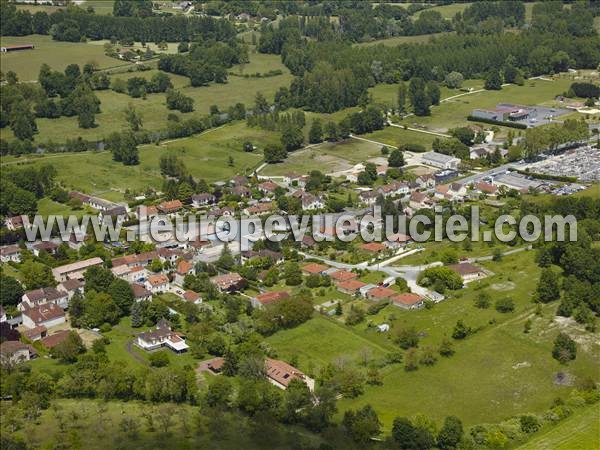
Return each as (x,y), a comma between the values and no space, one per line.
(280,374)
(268,298)
(15,352)
(157,283)
(42,296)
(468,271)
(48,315)
(408,300)
(229,282)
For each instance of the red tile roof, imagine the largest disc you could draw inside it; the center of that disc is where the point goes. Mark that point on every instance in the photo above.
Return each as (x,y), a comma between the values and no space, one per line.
(407,298)
(343,275)
(42,313)
(314,268)
(351,285)
(373,247)
(54,339)
(272,297)
(381,292)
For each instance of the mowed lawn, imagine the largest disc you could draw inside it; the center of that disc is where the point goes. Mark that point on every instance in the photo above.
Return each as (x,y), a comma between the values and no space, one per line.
(205,155)
(581,431)
(321,341)
(58,55)
(153,109)
(497,372)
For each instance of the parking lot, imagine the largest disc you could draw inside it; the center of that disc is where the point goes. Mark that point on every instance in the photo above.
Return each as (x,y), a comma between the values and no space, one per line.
(538,115)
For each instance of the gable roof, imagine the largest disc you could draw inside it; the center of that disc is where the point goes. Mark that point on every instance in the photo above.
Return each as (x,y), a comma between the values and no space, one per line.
(268,298)
(343,275)
(351,285)
(43,313)
(381,292)
(407,298)
(158,279)
(282,372)
(314,268)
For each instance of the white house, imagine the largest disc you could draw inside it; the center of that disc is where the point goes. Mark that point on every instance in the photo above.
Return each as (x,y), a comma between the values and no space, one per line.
(74,270)
(157,283)
(15,352)
(48,315)
(203,199)
(43,296)
(162,336)
(311,202)
(10,253)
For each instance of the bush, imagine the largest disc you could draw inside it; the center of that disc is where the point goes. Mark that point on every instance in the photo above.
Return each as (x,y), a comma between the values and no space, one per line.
(505,305)
(520,126)
(159,359)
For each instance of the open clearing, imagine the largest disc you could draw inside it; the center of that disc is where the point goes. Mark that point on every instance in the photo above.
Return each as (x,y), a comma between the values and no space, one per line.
(205,155)
(58,55)
(398,40)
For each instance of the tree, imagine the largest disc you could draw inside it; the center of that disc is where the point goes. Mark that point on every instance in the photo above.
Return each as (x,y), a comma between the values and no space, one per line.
(548,288)
(37,275)
(362,425)
(460,331)
(11,291)
(454,80)
(493,81)
(433,92)
(450,434)
(69,349)
(396,158)
(505,305)
(274,153)
(446,348)
(137,314)
(248,147)
(402,91)
(261,106)
(291,137)
(133,118)
(483,300)
(315,135)
(408,436)
(407,337)
(76,308)
(129,150)
(565,348)
(226,260)
(219,392)
(22,121)
(418,97)
(292,274)
(331,131)
(122,294)
(99,308)
(98,278)
(159,359)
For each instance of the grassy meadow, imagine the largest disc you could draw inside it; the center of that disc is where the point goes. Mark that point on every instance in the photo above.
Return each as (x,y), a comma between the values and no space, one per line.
(497,372)
(205,155)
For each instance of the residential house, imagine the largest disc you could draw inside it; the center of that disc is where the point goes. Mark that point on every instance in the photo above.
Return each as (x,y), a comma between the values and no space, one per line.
(478,153)
(10,253)
(380,293)
(117,214)
(311,202)
(192,297)
(397,240)
(140,293)
(75,270)
(131,274)
(468,271)
(162,336)
(453,191)
(408,300)
(307,241)
(203,199)
(274,257)
(314,269)
(48,315)
(54,339)
(368,197)
(15,352)
(268,298)
(486,188)
(280,374)
(157,283)
(14,223)
(47,246)
(42,296)
(418,200)
(258,209)
(140,259)
(76,241)
(372,247)
(350,287)
(382,170)
(169,207)
(440,160)
(35,334)
(268,187)
(425,181)
(146,212)
(240,180)
(290,179)
(229,282)
(70,287)
(183,268)
(342,275)
(242,191)
(364,290)
(393,189)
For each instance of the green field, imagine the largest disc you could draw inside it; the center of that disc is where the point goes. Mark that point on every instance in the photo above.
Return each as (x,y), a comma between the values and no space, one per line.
(58,55)
(496,373)
(153,109)
(447,11)
(581,431)
(205,155)
(398,40)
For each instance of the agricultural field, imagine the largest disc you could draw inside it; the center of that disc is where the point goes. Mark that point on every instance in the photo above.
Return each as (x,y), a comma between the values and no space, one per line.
(399,40)
(58,55)
(447,11)
(205,155)
(509,372)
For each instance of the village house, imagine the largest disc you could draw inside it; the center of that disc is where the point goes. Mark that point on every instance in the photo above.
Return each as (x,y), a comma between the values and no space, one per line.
(468,272)
(140,259)
(350,287)
(425,181)
(268,298)
(342,275)
(169,207)
(15,352)
(380,293)
(453,191)
(131,274)
(274,257)
(47,246)
(192,297)
(157,283)
(74,270)
(14,223)
(239,180)
(280,374)
(314,269)
(203,199)
(52,340)
(393,189)
(35,334)
(70,287)
(76,241)
(268,187)
(117,215)
(311,202)
(368,197)
(486,188)
(397,240)
(229,282)
(146,212)
(241,191)
(408,300)
(381,170)
(440,160)
(183,268)
(42,296)
(372,247)
(162,336)
(10,253)
(478,153)
(258,209)
(140,293)
(48,315)
(418,200)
